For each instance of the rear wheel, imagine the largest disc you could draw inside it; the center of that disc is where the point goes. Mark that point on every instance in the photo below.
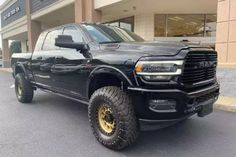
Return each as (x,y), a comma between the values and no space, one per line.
(112,118)
(23,89)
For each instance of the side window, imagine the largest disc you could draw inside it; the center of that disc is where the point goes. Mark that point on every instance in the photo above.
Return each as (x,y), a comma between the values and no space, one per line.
(49,42)
(75,33)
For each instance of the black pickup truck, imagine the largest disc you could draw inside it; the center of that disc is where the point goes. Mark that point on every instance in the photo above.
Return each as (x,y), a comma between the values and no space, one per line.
(128,84)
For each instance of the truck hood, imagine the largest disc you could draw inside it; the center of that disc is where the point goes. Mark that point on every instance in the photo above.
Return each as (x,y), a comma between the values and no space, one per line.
(146,48)
(150,48)
(134,51)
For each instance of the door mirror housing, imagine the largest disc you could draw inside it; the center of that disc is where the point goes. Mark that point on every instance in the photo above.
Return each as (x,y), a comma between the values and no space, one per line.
(66,41)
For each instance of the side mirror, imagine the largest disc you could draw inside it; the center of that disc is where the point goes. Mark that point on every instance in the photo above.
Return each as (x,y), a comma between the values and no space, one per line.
(66,41)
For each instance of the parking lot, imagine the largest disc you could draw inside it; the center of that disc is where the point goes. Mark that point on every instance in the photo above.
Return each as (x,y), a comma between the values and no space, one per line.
(58,127)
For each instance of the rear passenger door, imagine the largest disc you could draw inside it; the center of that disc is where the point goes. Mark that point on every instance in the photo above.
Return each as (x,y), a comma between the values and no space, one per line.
(69,72)
(44,57)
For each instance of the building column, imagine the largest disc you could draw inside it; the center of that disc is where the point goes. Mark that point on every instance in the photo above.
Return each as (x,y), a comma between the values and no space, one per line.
(34,30)
(79,11)
(226,32)
(6,54)
(24,46)
(144,26)
(34,27)
(85,12)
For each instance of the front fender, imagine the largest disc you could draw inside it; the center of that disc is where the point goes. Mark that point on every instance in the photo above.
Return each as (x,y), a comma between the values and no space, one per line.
(21,67)
(110,71)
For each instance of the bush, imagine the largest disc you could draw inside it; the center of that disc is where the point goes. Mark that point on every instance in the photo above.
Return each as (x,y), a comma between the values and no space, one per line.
(15,47)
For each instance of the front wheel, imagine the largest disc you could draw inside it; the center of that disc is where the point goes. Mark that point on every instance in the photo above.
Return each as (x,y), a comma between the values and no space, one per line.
(24,91)
(112,118)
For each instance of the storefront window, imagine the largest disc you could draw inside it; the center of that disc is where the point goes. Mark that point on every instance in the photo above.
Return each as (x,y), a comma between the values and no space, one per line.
(160,25)
(114,24)
(126,23)
(211,25)
(185,25)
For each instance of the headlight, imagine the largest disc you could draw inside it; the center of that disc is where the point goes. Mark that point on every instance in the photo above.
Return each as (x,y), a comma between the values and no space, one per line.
(158,70)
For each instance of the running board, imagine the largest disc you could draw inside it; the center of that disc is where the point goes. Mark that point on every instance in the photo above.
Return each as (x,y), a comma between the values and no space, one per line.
(68,97)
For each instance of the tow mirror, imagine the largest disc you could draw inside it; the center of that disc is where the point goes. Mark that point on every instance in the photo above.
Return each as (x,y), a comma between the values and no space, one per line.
(66,41)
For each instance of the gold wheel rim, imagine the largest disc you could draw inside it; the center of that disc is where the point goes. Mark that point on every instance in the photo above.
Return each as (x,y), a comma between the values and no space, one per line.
(106,119)
(19,89)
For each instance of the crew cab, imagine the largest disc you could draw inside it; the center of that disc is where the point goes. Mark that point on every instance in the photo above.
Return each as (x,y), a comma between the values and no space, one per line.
(128,84)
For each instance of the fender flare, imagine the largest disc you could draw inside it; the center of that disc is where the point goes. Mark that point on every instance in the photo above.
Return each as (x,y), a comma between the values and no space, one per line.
(108,70)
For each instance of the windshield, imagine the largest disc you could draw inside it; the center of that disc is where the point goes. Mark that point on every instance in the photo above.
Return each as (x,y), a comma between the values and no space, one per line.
(109,34)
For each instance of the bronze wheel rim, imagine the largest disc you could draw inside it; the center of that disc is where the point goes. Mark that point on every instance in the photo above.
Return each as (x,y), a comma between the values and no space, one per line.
(106,119)
(19,90)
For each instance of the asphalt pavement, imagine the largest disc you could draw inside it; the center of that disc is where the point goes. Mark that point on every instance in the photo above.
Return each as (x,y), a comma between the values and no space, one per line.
(52,126)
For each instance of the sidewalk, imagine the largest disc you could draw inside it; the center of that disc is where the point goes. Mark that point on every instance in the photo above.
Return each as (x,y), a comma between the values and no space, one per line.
(225,103)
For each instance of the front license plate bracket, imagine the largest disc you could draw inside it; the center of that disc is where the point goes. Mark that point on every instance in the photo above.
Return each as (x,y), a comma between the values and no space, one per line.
(205,110)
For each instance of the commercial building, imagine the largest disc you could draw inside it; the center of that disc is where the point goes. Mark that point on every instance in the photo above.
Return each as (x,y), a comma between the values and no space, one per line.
(161,20)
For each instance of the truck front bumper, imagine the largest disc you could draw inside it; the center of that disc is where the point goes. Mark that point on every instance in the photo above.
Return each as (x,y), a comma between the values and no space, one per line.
(185,104)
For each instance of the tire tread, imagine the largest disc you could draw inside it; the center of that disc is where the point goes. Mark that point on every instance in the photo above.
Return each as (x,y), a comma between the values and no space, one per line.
(129,133)
(28,92)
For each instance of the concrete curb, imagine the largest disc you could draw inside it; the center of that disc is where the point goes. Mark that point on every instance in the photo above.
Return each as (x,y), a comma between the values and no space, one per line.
(6,70)
(226,104)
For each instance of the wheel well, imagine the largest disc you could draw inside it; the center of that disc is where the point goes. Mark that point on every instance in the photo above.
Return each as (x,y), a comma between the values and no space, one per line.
(103,80)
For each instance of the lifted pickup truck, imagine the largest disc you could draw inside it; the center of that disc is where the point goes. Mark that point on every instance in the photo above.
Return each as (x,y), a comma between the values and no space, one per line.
(128,84)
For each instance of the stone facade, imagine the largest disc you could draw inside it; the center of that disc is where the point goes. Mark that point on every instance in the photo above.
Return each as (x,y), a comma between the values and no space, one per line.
(226,32)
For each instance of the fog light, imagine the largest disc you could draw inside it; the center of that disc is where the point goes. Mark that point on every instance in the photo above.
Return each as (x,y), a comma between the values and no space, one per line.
(163,106)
